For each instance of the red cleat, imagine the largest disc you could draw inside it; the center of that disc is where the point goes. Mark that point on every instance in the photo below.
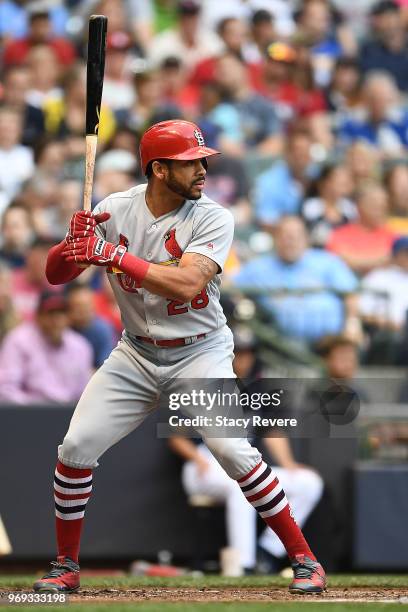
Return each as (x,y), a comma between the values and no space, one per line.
(308,576)
(63,578)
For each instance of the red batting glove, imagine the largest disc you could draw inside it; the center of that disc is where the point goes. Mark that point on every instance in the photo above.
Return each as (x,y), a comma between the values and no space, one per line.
(93,250)
(83,224)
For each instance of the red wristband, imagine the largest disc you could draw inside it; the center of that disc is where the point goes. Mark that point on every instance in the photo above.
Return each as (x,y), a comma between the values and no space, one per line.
(135,267)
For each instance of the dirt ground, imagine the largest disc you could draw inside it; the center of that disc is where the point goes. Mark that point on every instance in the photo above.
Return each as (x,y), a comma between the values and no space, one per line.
(159,594)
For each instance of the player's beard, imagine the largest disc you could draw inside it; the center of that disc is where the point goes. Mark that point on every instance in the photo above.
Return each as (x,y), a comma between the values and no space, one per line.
(191,193)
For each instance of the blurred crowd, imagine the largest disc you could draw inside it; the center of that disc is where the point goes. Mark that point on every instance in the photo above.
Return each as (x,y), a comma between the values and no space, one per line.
(307,101)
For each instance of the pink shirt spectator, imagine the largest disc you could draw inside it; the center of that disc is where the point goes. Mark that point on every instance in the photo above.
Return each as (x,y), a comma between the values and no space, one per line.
(34,371)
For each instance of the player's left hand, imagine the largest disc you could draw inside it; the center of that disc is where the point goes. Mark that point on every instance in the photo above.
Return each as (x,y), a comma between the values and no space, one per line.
(93,250)
(83,224)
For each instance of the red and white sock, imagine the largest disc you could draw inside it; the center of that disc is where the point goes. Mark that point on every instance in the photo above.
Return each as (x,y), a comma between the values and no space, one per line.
(72,489)
(264,492)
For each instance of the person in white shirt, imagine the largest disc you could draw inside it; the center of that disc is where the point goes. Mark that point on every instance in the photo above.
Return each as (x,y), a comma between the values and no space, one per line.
(189,42)
(16,160)
(384,301)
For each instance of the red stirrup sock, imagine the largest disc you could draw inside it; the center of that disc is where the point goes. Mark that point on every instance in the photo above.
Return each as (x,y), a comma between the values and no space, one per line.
(72,489)
(262,489)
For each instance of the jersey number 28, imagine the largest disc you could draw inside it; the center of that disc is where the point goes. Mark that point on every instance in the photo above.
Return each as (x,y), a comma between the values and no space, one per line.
(175,307)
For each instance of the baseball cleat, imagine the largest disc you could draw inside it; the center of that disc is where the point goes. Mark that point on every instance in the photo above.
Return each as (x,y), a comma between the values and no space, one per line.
(308,576)
(63,578)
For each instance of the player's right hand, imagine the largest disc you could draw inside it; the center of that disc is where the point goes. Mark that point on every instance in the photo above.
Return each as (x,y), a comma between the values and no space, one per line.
(83,224)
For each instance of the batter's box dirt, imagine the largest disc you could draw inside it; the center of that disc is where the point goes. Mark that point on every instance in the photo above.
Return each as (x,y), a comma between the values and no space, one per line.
(234,594)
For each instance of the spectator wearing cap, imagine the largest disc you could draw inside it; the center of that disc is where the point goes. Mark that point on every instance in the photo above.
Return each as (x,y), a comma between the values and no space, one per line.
(148,107)
(188,41)
(385,120)
(43,361)
(365,244)
(331,207)
(280,190)
(275,79)
(313,289)
(118,92)
(288,80)
(16,235)
(384,301)
(387,47)
(83,319)
(16,160)
(16,81)
(260,126)
(115,171)
(39,33)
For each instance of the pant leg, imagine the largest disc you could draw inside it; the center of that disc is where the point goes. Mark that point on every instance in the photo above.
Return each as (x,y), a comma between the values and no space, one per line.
(303,489)
(116,400)
(240,516)
(211,359)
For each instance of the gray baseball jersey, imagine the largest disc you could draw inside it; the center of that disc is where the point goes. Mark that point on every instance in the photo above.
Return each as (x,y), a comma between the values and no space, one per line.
(198,226)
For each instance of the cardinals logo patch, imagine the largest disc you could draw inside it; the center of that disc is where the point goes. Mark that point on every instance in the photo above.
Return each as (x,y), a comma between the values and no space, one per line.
(172,247)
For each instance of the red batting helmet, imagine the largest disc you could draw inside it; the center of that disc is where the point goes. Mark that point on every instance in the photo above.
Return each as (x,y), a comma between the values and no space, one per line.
(175,139)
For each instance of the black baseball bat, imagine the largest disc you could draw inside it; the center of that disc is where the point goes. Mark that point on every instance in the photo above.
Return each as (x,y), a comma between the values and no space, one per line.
(98,25)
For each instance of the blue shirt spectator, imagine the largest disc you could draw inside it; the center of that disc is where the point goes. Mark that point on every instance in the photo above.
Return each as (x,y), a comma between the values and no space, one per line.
(258,119)
(100,336)
(14,22)
(279,191)
(385,124)
(388,47)
(392,130)
(82,319)
(293,268)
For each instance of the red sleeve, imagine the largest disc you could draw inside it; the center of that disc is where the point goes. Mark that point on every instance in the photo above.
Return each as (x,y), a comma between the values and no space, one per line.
(58,271)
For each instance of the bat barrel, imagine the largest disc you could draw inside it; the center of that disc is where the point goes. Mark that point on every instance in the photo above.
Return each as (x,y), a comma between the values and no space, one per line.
(95,71)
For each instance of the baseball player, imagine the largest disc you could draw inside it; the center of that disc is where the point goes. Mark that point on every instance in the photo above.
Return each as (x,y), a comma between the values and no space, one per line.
(163,245)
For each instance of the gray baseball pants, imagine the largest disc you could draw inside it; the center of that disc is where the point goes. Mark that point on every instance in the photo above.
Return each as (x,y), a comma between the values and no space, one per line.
(127,388)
